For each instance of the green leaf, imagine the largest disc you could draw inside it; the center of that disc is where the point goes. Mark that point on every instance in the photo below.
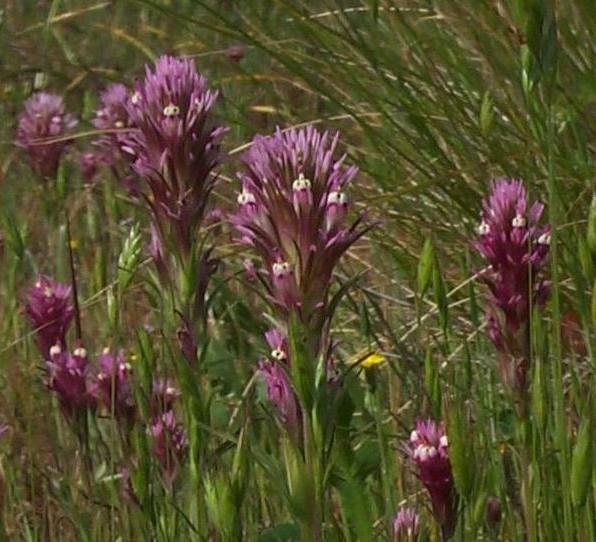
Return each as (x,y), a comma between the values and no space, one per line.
(357,509)
(425,267)
(582,463)
(461,454)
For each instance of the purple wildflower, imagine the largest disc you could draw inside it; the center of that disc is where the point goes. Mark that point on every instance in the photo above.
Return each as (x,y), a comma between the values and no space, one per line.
(292,211)
(406,525)
(170,443)
(174,147)
(69,379)
(44,119)
(111,117)
(428,450)
(516,247)
(50,312)
(112,387)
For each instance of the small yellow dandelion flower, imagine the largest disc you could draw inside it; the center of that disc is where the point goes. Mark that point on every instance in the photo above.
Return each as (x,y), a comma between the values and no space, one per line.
(372,360)
(74,244)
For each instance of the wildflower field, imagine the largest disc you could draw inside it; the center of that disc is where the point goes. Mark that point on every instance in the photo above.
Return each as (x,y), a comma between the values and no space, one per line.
(297,270)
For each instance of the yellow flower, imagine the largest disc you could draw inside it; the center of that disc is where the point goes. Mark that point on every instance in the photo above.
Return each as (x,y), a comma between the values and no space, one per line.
(367,359)
(74,244)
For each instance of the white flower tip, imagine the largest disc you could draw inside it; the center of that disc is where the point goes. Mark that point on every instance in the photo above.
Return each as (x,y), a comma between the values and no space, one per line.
(80,352)
(544,239)
(518,222)
(413,436)
(443,441)
(281,269)
(337,198)
(171,110)
(278,354)
(55,350)
(245,197)
(301,183)
(483,228)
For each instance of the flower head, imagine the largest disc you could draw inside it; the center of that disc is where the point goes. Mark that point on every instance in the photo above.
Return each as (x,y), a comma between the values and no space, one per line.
(516,247)
(50,311)
(406,525)
(112,387)
(44,119)
(69,379)
(175,148)
(291,211)
(170,443)
(428,450)
(112,116)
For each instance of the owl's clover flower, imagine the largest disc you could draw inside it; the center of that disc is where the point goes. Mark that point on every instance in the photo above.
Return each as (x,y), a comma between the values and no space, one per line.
(112,116)
(516,247)
(50,311)
(428,449)
(406,525)
(112,386)
(69,379)
(169,443)
(292,213)
(174,146)
(43,121)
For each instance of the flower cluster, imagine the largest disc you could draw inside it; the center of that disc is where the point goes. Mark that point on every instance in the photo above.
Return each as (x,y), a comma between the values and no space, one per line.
(170,443)
(406,525)
(50,312)
(69,378)
(112,117)
(516,246)
(292,211)
(174,146)
(42,130)
(112,387)
(428,450)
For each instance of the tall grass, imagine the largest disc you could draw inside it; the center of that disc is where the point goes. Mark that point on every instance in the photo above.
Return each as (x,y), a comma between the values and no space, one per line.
(434,99)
